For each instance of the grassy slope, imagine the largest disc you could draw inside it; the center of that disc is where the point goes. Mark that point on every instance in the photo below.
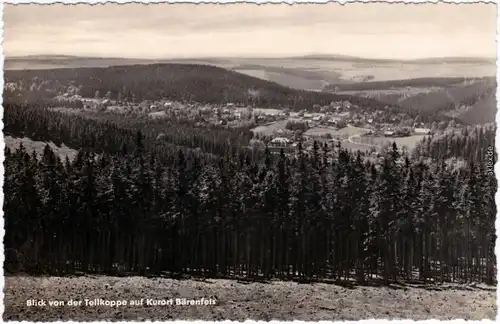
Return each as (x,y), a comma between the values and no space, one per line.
(30,145)
(241,301)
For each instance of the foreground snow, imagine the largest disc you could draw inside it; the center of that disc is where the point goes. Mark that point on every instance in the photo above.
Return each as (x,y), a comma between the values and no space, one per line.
(237,300)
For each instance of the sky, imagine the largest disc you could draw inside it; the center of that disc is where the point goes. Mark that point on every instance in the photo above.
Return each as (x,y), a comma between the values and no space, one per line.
(375,30)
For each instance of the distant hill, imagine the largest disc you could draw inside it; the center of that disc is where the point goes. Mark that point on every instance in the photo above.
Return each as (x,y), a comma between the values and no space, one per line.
(310,72)
(15,62)
(194,82)
(433,60)
(42,62)
(417,82)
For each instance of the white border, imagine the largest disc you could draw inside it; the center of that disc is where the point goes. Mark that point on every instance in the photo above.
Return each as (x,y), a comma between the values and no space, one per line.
(497,144)
(243,1)
(2,158)
(497,165)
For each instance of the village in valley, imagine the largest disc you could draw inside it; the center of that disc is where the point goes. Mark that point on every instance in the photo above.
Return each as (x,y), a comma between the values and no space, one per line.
(354,127)
(340,122)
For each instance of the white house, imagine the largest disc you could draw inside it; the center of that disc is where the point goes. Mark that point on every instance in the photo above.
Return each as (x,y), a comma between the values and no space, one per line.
(280,141)
(333,120)
(388,133)
(425,131)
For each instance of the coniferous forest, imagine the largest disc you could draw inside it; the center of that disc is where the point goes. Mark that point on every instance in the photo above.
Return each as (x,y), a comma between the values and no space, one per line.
(128,204)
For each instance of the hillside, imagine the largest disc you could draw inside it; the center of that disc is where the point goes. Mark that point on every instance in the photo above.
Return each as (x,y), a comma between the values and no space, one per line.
(470,103)
(483,111)
(470,100)
(184,82)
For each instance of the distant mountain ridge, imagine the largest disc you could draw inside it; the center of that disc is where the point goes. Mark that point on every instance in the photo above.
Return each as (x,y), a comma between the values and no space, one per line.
(14,62)
(430,60)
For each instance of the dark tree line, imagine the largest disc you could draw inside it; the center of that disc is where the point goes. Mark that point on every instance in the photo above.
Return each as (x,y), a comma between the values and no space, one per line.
(113,133)
(469,143)
(328,213)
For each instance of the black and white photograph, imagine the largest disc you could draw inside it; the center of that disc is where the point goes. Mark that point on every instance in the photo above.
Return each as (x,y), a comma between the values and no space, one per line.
(249,162)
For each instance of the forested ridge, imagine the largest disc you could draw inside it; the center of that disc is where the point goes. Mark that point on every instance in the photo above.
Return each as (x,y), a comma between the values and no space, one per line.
(460,95)
(181,82)
(128,206)
(448,95)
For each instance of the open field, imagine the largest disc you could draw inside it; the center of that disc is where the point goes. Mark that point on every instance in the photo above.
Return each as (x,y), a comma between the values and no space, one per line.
(158,114)
(409,142)
(265,110)
(241,300)
(38,146)
(351,131)
(320,131)
(261,74)
(357,146)
(343,133)
(350,136)
(294,81)
(271,128)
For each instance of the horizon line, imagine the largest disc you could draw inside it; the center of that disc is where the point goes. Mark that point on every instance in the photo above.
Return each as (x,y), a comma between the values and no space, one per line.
(300,56)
